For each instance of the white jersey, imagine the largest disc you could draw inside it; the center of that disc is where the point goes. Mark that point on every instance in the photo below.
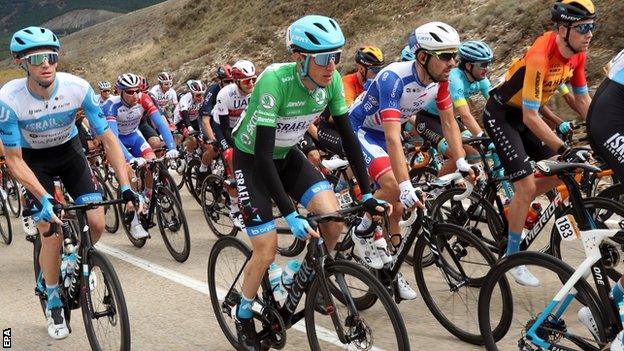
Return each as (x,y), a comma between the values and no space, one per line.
(186,103)
(396,88)
(231,102)
(616,72)
(101,100)
(164,98)
(28,121)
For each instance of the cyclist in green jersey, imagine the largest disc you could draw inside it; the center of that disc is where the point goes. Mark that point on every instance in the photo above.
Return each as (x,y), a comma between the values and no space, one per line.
(267,164)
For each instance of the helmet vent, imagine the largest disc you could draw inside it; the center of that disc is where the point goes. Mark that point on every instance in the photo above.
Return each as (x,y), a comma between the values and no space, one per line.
(322,27)
(442,28)
(20,41)
(28,31)
(435,36)
(312,38)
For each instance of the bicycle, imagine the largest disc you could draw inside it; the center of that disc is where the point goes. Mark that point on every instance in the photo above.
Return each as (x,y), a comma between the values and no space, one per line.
(164,204)
(327,290)
(551,328)
(6,231)
(97,291)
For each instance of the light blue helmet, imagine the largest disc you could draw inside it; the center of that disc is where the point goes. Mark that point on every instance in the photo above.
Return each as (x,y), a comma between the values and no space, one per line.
(407,54)
(313,34)
(475,51)
(32,38)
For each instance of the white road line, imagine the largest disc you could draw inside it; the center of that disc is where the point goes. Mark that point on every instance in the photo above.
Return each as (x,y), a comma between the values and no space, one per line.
(176,277)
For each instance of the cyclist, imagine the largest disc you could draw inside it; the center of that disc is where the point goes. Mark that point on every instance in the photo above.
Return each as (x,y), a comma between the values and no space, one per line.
(166,96)
(398,92)
(40,140)
(146,127)
(267,165)
(407,54)
(511,113)
(231,102)
(369,60)
(605,128)
(124,113)
(222,78)
(105,92)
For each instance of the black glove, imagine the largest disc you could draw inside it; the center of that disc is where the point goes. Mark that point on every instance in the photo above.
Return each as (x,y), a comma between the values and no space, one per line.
(129,195)
(575,155)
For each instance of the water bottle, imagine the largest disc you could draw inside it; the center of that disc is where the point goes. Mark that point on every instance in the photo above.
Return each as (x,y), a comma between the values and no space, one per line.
(68,267)
(288,277)
(381,245)
(275,277)
(533,215)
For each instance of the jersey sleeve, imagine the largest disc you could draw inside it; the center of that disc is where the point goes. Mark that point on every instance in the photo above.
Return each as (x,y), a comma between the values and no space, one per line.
(337,104)
(535,70)
(484,86)
(94,113)
(579,82)
(184,104)
(148,104)
(9,127)
(443,99)
(349,91)
(270,99)
(390,89)
(220,107)
(456,89)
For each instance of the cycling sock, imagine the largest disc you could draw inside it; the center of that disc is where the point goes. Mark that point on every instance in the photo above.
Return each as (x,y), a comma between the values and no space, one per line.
(234,204)
(513,243)
(135,220)
(365,223)
(54,300)
(244,308)
(618,292)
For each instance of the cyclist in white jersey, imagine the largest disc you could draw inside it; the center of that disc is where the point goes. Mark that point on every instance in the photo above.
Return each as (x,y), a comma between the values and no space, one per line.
(398,92)
(231,102)
(166,96)
(105,92)
(37,128)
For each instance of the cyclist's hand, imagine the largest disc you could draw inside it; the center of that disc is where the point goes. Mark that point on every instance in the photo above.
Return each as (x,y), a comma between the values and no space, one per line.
(300,226)
(575,155)
(138,161)
(172,154)
(132,199)
(467,168)
(228,154)
(409,195)
(47,210)
(375,206)
(564,128)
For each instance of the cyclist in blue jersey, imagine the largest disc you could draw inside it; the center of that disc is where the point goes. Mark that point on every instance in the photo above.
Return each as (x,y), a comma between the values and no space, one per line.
(41,142)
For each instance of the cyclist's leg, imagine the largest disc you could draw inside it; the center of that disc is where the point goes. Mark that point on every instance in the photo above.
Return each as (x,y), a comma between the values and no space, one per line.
(312,190)
(150,135)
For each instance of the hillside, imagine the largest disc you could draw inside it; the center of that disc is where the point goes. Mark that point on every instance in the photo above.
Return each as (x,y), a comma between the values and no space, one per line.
(78,19)
(190,38)
(22,13)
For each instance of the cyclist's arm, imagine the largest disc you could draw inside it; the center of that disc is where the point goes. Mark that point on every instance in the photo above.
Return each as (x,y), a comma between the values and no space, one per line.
(468,119)
(582,100)
(224,125)
(216,127)
(392,131)
(112,123)
(313,130)
(456,91)
(550,117)
(163,129)
(581,104)
(263,160)
(450,128)
(115,155)
(207,128)
(20,170)
(537,125)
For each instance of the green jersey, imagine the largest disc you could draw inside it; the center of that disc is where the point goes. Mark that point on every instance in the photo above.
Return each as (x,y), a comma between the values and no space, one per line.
(280,100)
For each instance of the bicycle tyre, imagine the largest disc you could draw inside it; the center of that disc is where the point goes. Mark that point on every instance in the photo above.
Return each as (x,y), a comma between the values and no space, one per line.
(463,237)
(534,258)
(11,187)
(167,180)
(164,193)
(215,296)
(120,310)
(6,231)
(190,178)
(355,270)
(107,194)
(215,205)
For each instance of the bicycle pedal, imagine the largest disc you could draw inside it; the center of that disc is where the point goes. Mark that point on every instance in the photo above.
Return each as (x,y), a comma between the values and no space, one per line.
(31,237)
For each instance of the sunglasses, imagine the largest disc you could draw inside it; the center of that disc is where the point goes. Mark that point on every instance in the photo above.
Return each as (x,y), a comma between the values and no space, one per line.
(132,92)
(584,28)
(105,91)
(324,59)
(482,65)
(375,69)
(166,83)
(198,94)
(444,55)
(38,58)
(227,81)
(251,80)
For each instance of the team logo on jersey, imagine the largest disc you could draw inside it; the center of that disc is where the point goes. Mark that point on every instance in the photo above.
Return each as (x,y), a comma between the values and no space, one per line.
(320,96)
(94,99)
(4,114)
(267,101)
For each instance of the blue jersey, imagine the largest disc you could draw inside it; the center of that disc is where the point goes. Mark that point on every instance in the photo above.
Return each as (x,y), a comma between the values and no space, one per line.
(29,121)
(397,88)
(462,89)
(616,72)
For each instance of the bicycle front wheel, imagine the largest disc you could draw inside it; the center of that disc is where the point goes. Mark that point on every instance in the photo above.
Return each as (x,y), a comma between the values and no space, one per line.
(215,203)
(172,224)
(380,327)
(11,188)
(6,231)
(104,310)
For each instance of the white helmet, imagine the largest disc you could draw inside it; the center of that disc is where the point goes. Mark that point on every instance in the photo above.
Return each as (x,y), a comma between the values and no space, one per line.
(243,69)
(104,85)
(164,77)
(434,36)
(196,86)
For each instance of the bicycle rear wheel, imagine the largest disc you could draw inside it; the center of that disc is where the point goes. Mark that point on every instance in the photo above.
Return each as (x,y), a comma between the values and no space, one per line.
(225,266)
(111,215)
(6,231)
(11,188)
(215,203)
(561,328)
(104,310)
(450,287)
(381,326)
(172,224)
(191,179)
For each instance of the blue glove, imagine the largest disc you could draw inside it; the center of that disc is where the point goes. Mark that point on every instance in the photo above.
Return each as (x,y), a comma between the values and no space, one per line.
(47,209)
(564,128)
(298,225)
(370,203)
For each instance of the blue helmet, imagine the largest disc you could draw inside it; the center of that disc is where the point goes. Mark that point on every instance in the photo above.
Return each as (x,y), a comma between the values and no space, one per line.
(475,51)
(407,54)
(313,33)
(32,38)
